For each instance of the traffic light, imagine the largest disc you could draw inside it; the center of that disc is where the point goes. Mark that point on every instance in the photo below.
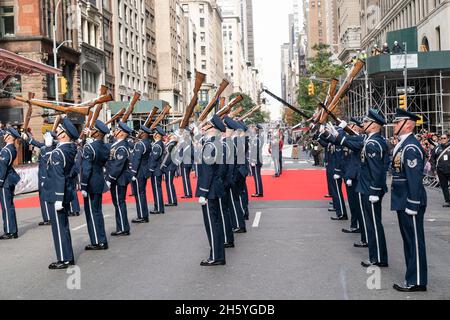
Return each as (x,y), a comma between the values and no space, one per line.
(402,102)
(419,122)
(311,89)
(63,85)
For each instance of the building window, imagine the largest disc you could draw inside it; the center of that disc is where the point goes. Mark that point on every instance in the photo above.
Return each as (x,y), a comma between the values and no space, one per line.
(202,37)
(90,81)
(202,22)
(185,8)
(203,96)
(7,21)
(201,8)
(203,64)
(203,50)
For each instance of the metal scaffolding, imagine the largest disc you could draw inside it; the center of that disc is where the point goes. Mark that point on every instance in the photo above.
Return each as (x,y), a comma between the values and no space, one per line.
(430,99)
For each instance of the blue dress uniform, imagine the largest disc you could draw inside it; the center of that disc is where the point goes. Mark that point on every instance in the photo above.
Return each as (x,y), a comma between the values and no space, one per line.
(139,170)
(76,171)
(187,156)
(372,182)
(169,168)
(409,199)
(244,194)
(95,156)
(58,188)
(8,181)
(256,163)
(118,176)
(210,187)
(156,173)
(339,171)
(44,155)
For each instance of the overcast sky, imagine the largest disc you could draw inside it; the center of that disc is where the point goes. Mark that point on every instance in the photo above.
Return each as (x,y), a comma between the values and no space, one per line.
(271,30)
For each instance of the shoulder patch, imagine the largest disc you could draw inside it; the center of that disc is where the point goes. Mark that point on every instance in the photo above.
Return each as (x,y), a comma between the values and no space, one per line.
(412,163)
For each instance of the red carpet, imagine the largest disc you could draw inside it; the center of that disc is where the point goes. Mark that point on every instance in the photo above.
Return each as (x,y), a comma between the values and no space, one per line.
(292,185)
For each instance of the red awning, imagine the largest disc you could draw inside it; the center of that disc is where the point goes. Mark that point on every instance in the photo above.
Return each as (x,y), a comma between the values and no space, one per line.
(12,64)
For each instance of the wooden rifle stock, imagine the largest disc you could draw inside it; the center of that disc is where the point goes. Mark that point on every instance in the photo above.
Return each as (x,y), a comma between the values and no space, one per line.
(84,110)
(199,78)
(161,117)
(117,116)
(29,112)
(56,123)
(213,101)
(225,110)
(131,106)
(148,122)
(250,113)
(236,112)
(347,129)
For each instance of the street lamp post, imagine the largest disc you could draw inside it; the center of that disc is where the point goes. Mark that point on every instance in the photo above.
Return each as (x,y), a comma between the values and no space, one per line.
(405,73)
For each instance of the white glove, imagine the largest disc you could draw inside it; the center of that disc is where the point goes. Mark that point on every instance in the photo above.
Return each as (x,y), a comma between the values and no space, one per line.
(48,139)
(25,136)
(84,194)
(332,130)
(89,140)
(343,124)
(336,177)
(86,131)
(321,128)
(374,199)
(202,201)
(349,182)
(133,179)
(58,205)
(108,184)
(410,212)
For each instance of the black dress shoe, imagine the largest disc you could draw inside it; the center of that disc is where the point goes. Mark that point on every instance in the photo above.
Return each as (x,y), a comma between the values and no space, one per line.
(240,230)
(413,288)
(8,236)
(210,263)
(330,203)
(186,197)
(351,230)
(61,265)
(44,223)
(140,220)
(360,245)
(120,233)
(327,196)
(341,218)
(156,212)
(229,245)
(446,205)
(367,264)
(331,210)
(257,195)
(96,247)
(246,218)
(170,204)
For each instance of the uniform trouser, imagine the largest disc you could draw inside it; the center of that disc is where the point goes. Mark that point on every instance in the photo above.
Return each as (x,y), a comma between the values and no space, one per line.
(44,208)
(338,198)
(61,232)
(140,193)
(280,160)
(170,187)
(94,218)
(375,231)
(8,210)
(276,163)
(157,193)
(330,184)
(244,200)
(226,217)
(256,171)
(362,219)
(236,208)
(74,206)
(353,203)
(443,181)
(119,194)
(214,229)
(411,228)
(186,175)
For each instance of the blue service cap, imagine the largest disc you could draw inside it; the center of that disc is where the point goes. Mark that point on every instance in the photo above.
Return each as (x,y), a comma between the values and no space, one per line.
(100,126)
(12,132)
(217,123)
(145,129)
(124,127)
(355,121)
(70,129)
(243,126)
(375,116)
(231,124)
(258,126)
(160,130)
(401,114)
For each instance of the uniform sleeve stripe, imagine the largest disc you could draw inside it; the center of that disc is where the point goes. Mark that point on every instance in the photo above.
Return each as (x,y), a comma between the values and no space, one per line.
(413,202)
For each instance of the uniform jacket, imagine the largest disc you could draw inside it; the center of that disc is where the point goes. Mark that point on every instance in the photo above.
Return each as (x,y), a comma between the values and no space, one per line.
(44,155)
(117,167)
(167,163)
(408,163)
(156,158)
(440,158)
(186,153)
(8,176)
(95,156)
(139,159)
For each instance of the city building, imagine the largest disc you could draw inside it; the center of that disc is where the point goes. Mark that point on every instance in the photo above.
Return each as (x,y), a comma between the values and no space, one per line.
(349,29)
(316,26)
(332,32)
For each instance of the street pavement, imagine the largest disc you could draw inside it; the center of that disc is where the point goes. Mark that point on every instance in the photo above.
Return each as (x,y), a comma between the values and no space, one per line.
(292,250)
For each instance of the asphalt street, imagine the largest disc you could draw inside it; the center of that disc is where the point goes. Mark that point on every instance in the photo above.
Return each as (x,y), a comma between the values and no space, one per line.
(292,251)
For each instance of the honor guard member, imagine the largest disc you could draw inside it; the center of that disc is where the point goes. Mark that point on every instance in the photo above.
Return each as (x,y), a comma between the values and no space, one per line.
(93,185)
(256,161)
(140,173)
(74,208)
(45,149)
(8,181)
(372,186)
(169,168)
(187,156)
(440,161)
(244,196)
(118,177)
(330,163)
(238,180)
(59,192)
(355,144)
(409,199)
(210,190)
(155,161)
